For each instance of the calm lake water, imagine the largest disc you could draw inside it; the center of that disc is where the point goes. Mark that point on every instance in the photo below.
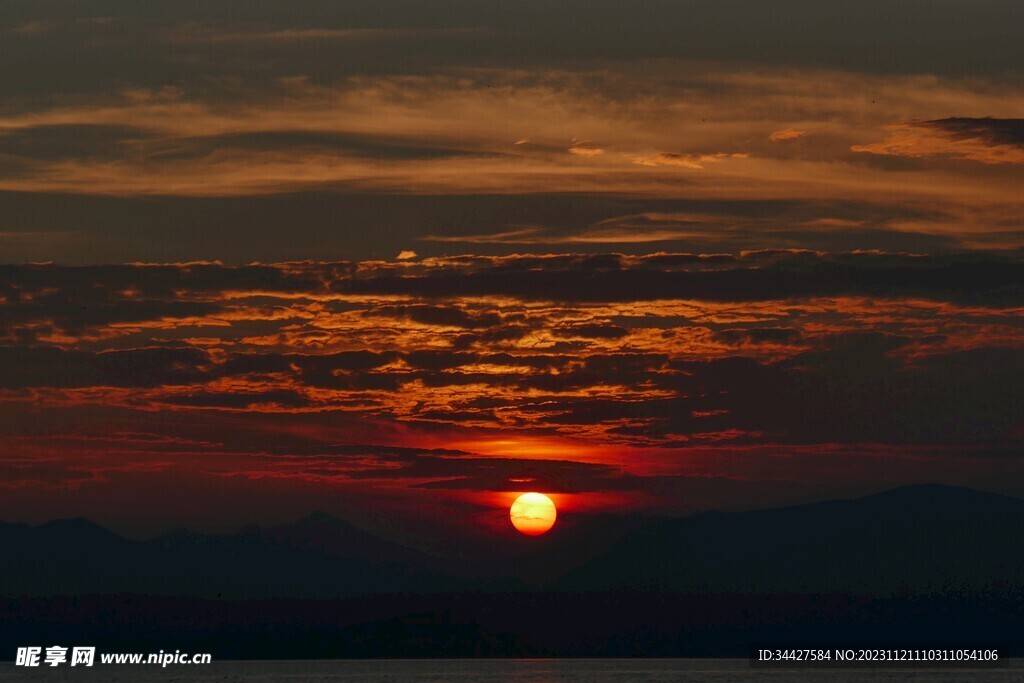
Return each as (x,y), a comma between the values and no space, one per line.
(494,671)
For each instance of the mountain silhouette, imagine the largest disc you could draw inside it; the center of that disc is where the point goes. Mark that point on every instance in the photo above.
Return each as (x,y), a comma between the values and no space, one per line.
(916,539)
(317,556)
(920,539)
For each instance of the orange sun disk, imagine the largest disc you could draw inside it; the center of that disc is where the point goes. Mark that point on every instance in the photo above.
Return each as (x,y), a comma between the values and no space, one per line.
(533,514)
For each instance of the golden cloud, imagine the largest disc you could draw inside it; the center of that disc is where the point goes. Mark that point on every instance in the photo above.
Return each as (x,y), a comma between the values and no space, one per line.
(694,161)
(786,134)
(921,139)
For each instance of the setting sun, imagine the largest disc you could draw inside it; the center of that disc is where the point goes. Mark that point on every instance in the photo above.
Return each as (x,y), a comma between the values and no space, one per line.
(533,514)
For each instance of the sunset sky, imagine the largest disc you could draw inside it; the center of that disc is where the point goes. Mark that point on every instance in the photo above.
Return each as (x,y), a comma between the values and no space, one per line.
(403,261)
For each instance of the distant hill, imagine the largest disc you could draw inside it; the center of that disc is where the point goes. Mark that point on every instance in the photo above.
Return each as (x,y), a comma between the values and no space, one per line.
(917,540)
(911,540)
(317,556)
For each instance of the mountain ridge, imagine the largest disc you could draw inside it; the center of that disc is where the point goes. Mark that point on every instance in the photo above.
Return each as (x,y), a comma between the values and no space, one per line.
(923,538)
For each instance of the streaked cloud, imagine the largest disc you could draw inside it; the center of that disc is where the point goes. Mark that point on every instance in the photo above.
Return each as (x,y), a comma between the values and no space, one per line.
(694,161)
(296,135)
(395,135)
(786,134)
(219,33)
(585,148)
(987,140)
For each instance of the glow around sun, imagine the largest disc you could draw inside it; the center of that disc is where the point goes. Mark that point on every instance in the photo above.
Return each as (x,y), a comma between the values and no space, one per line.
(533,514)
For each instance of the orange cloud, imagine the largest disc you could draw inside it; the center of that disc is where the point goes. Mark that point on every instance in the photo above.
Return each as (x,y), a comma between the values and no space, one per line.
(940,138)
(584,148)
(398,135)
(786,134)
(694,161)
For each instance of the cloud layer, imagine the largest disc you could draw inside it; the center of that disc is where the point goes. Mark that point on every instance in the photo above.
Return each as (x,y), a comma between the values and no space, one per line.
(614,373)
(680,256)
(678,163)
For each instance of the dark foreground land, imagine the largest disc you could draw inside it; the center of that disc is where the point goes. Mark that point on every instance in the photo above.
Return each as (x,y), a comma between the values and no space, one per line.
(509,625)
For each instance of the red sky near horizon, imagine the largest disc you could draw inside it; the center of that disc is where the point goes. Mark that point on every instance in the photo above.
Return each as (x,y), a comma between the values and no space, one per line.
(403,266)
